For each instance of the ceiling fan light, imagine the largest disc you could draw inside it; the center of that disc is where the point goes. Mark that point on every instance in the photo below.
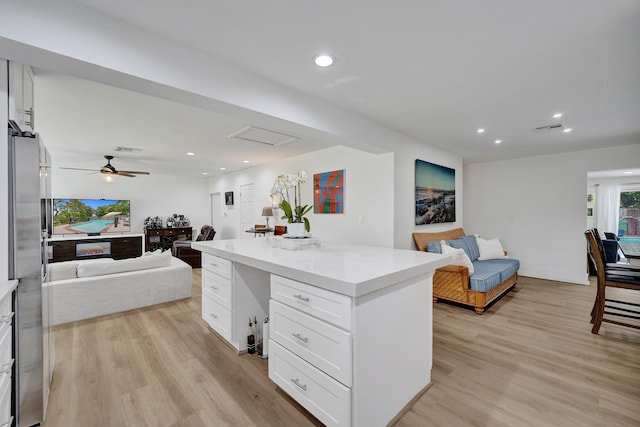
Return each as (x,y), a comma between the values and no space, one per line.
(108,177)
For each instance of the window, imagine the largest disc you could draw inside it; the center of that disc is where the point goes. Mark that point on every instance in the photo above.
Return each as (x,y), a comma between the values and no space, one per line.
(629,223)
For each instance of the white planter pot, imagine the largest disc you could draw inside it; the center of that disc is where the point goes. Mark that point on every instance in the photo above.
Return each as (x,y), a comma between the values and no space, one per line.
(296,229)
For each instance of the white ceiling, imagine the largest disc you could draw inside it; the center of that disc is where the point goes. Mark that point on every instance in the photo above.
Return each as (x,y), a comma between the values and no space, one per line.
(434,70)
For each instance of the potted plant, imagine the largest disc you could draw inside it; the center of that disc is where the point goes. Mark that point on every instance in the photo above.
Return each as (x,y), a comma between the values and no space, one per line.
(293,213)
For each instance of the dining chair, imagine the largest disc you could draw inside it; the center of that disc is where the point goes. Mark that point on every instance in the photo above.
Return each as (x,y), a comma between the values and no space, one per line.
(611,276)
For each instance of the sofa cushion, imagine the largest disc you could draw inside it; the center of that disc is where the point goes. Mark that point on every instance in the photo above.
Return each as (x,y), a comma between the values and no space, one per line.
(507,267)
(124,265)
(489,249)
(459,256)
(466,243)
(69,269)
(489,273)
(484,277)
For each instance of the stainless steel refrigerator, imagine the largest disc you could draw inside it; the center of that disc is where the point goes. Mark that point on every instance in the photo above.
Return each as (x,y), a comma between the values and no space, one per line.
(29,229)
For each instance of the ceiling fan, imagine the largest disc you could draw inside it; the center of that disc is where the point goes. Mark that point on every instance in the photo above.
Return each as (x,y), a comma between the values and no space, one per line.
(108,169)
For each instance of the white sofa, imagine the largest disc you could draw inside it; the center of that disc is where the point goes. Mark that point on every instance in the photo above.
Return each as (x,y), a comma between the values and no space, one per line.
(89,288)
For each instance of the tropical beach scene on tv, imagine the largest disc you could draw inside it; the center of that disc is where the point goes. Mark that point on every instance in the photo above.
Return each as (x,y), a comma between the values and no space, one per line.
(90,216)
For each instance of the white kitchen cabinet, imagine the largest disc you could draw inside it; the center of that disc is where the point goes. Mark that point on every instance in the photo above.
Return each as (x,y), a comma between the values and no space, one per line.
(7,360)
(347,322)
(21,95)
(232,293)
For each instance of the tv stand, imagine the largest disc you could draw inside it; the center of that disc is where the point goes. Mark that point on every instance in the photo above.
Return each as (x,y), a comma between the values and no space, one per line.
(72,247)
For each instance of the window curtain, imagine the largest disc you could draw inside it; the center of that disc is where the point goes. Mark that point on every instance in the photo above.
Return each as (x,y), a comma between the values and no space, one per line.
(607,206)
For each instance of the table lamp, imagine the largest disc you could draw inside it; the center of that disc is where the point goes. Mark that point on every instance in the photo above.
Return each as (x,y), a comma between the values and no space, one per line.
(267,211)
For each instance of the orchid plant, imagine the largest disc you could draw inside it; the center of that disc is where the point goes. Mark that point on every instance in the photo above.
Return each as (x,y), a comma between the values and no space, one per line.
(294,213)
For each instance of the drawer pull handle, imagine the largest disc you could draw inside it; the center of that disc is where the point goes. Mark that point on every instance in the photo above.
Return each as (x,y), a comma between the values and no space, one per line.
(6,368)
(301,338)
(301,298)
(213,264)
(213,315)
(7,318)
(7,423)
(296,382)
(214,287)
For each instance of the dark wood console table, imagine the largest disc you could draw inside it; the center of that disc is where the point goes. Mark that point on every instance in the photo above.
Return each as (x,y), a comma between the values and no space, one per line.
(163,238)
(116,247)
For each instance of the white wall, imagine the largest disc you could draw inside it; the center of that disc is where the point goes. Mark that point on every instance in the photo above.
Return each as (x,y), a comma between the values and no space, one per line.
(153,195)
(536,205)
(368,193)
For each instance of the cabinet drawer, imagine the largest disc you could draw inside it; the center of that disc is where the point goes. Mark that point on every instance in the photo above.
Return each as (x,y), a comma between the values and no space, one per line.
(326,305)
(320,394)
(5,305)
(218,317)
(151,232)
(5,400)
(5,346)
(217,288)
(217,265)
(324,346)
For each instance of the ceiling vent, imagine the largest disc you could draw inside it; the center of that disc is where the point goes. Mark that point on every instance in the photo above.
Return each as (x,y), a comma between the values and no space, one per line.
(128,150)
(550,128)
(263,136)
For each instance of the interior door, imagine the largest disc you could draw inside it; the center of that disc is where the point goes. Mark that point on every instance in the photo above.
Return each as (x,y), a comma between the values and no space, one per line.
(247,214)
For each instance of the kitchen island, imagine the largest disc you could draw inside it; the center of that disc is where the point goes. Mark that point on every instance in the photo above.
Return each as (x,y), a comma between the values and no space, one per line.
(350,325)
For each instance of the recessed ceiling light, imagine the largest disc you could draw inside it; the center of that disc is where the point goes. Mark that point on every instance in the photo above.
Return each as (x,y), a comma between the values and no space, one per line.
(324,60)
(498,141)
(191,154)
(246,161)
(205,173)
(567,130)
(481,130)
(557,115)
(628,173)
(223,169)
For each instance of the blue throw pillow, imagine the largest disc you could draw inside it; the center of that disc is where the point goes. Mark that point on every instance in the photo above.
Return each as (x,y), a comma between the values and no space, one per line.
(466,243)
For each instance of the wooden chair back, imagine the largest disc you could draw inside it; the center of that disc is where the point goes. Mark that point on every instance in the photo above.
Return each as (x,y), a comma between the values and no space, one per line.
(615,277)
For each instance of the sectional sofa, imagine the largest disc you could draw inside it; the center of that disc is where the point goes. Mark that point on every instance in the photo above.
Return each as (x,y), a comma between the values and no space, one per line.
(89,288)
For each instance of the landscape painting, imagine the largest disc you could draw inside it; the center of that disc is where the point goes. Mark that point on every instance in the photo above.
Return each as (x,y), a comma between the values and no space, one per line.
(435,193)
(328,192)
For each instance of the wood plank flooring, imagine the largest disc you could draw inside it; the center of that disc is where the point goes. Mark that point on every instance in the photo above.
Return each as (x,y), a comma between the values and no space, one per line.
(530,360)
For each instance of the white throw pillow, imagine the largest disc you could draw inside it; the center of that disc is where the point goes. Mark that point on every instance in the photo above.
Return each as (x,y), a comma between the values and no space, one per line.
(150,253)
(489,249)
(459,256)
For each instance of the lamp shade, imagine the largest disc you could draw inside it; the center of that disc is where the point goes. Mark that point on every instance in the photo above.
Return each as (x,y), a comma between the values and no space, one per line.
(267,211)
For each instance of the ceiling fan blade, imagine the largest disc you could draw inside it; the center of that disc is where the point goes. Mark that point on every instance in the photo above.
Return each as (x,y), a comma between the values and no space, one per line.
(123,173)
(80,169)
(138,172)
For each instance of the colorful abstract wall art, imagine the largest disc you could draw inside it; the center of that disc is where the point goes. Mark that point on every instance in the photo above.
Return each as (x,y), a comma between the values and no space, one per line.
(435,193)
(328,192)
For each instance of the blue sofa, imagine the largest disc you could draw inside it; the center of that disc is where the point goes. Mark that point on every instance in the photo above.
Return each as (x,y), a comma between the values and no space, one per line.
(491,279)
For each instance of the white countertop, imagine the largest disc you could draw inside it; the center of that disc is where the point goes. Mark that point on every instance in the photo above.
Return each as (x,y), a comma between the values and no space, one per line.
(6,287)
(352,270)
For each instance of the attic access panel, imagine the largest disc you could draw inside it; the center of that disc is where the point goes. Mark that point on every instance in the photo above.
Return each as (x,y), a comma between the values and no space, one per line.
(263,136)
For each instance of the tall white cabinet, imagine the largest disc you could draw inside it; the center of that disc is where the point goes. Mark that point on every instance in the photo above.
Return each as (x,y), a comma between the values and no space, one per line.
(7,358)
(21,96)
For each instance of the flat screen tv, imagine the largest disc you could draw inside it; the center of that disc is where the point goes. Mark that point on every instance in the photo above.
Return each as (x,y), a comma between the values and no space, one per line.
(91,216)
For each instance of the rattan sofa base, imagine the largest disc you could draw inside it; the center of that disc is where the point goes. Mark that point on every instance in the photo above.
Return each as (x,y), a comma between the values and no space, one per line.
(451,282)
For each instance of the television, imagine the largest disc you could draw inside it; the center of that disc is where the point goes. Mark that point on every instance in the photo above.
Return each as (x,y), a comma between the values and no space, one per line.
(91,216)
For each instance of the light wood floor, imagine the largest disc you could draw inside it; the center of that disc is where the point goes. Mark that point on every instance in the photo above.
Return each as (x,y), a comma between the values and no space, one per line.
(530,360)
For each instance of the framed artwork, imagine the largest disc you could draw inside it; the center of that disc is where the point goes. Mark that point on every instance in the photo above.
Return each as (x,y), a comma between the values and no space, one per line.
(228,198)
(328,192)
(435,193)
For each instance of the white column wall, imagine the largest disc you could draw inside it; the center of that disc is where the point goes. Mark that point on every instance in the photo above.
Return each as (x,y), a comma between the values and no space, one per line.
(536,206)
